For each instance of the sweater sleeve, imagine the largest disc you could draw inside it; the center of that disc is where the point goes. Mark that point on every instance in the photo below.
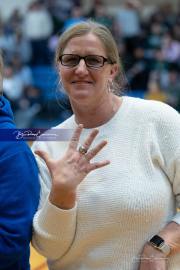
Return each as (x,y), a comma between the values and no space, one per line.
(19,197)
(174,173)
(166,139)
(53,228)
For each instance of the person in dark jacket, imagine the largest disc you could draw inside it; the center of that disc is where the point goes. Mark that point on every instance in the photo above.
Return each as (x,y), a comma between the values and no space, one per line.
(19,194)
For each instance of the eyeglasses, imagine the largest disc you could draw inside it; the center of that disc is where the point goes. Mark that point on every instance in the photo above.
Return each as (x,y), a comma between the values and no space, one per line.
(93,61)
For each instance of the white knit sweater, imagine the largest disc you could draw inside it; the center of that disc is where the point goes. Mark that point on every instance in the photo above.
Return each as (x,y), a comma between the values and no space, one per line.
(120,206)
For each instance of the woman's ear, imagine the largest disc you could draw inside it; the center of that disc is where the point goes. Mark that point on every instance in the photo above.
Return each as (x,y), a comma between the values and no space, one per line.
(59,71)
(113,71)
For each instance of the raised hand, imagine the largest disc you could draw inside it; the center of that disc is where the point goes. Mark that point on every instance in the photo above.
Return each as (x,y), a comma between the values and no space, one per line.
(70,170)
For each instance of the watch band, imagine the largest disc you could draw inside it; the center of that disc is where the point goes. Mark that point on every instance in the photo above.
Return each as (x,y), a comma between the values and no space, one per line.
(165,249)
(157,242)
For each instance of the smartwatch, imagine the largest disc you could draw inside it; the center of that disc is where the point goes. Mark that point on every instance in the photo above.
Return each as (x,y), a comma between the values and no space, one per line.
(158,242)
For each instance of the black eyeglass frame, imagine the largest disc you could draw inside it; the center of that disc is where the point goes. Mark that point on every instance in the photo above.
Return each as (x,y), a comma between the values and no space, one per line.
(84,58)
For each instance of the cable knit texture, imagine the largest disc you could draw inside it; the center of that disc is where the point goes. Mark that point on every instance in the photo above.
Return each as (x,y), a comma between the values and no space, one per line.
(120,206)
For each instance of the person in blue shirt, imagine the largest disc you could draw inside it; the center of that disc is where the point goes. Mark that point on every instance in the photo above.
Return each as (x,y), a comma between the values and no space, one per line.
(19,194)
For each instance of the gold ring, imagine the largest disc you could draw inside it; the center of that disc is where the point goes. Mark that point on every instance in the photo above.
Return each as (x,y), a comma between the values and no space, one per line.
(82,150)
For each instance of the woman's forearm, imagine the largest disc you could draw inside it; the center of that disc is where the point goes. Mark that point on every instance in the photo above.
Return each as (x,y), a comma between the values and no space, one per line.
(153,258)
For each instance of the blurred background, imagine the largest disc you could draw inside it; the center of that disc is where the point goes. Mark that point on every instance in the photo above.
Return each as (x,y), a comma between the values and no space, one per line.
(147,34)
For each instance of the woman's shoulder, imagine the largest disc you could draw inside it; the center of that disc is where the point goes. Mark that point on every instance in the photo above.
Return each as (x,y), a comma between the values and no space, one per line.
(151,107)
(156,112)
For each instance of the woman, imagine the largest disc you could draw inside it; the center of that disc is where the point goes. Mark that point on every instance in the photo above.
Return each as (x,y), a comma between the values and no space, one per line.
(96,213)
(19,194)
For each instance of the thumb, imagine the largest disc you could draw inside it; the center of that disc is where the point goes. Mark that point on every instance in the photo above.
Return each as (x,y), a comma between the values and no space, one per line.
(44,155)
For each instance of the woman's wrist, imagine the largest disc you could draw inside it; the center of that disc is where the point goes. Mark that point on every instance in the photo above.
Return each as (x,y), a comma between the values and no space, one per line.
(152,258)
(171,234)
(153,253)
(62,199)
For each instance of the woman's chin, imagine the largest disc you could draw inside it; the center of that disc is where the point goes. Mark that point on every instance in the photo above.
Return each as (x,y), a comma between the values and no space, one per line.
(81,94)
(82,97)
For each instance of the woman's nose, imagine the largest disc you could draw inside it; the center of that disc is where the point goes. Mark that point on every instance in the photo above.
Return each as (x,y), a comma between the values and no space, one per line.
(81,68)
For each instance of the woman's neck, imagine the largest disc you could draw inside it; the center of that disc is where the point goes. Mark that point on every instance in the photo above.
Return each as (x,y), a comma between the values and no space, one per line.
(95,117)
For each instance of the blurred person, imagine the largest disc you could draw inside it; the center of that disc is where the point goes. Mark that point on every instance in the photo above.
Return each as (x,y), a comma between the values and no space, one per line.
(100,15)
(178,17)
(91,12)
(14,22)
(52,44)
(22,46)
(138,73)
(158,61)
(30,106)
(172,89)
(116,33)
(154,38)
(22,72)
(6,42)
(176,32)
(19,193)
(3,39)
(170,48)
(12,86)
(38,27)
(60,10)
(168,14)
(34,96)
(157,17)
(160,65)
(154,92)
(129,21)
(76,16)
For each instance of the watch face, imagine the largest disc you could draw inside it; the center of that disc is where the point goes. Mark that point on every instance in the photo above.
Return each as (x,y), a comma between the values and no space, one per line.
(157,241)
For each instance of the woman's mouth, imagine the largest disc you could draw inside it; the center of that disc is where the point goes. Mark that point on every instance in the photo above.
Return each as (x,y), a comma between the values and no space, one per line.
(82,82)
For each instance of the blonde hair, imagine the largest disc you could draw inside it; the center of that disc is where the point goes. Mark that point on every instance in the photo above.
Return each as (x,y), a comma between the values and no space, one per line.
(83,28)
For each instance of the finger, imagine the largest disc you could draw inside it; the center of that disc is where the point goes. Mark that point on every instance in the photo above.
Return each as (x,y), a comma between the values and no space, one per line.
(44,155)
(87,143)
(75,138)
(98,165)
(92,153)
